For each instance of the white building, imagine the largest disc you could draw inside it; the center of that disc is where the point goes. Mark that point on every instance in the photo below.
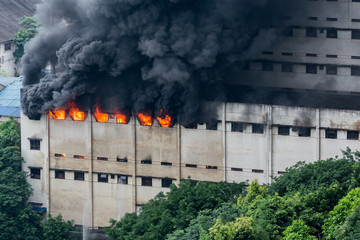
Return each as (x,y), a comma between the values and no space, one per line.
(91,171)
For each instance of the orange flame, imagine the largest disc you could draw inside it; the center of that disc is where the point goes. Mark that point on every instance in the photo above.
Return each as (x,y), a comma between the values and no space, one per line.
(58,114)
(166,121)
(145,119)
(75,113)
(122,118)
(101,117)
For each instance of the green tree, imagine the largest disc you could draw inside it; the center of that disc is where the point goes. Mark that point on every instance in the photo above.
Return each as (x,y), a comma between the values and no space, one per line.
(175,210)
(351,228)
(298,231)
(27,31)
(240,229)
(55,228)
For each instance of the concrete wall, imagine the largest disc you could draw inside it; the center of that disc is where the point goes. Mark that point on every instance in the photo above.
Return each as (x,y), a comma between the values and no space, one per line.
(7,61)
(236,156)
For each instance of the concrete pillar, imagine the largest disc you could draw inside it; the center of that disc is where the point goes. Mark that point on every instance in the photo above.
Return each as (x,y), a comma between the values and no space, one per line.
(134,197)
(318,136)
(178,160)
(269,143)
(223,123)
(47,164)
(91,180)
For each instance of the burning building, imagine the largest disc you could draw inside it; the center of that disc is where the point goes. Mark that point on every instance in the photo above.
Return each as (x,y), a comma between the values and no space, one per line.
(145,93)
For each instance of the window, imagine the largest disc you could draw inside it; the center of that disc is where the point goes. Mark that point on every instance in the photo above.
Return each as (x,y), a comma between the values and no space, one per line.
(211,126)
(121,159)
(112,176)
(355,71)
(146,181)
(79,176)
(286,54)
(267,53)
(122,179)
(283,130)
(353,135)
(166,182)
(311,55)
(191,126)
(331,70)
(355,20)
(237,127)
(7,46)
(331,56)
(237,169)
(288,32)
(331,33)
(102,177)
(59,155)
(331,19)
(355,34)
(102,158)
(257,128)
(35,173)
(355,57)
(191,165)
(286,67)
(211,167)
(267,66)
(311,32)
(281,172)
(79,156)
(312,18)
(311,68)
(331,133)
(34,144)
(257,171)
(60,174)
(146,162)
(166,163)
(304,132)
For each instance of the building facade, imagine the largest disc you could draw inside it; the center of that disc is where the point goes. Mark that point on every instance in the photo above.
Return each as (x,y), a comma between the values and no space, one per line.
(91,171)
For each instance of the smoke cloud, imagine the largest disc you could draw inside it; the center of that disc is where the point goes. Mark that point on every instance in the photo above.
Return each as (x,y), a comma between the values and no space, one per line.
(145,55)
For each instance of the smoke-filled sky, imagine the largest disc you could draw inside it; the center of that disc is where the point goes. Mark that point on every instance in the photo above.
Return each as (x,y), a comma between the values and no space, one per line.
(145,55)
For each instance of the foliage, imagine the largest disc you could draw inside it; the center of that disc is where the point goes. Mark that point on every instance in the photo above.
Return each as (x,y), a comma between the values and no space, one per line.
(27,31)
(341,211)
(55,228)
(351,228)
(175,210)
(298,231)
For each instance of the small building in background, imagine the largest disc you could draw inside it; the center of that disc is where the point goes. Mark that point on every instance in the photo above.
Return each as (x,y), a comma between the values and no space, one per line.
(10,98)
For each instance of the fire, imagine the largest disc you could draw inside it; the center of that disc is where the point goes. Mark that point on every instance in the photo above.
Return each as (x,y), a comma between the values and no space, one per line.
(166,120)
(58,114)
(145,119)
(75,113)
(122,118)
(101,117)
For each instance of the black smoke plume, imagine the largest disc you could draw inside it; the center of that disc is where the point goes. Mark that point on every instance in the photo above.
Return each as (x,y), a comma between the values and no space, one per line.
(141,55)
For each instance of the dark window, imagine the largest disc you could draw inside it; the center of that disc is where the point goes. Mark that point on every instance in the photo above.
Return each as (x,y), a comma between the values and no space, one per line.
(237,127)
(331,56)
(304,132)
(267,53)
(121,159)
(331,70)
(102,177)
(331,133)
(283,130)
(286,54)
(166,163)
(355,34)
(191,126)
(146,162)
(7,46)
(34,144)
(355,57)
(146,181)
(211,167)
(355,71)
(281,172)
(257,170)
(331,33)
(60,174)
(312,18)
(211,126)
(237,169)
(35,173)
(311,32)
(355,20)
(311,55)
(311,68)
(122,179)
(166,182)
(331,19)
(59,155)
(321,67)
(353,135)
(80,176)
(267,66)
(112,176)
(191,165)
(288,32)
(79,156)
(257,128)
(286,67)
(102,158)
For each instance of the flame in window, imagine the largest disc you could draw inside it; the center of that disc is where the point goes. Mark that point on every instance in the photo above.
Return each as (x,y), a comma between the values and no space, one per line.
(145,119)
(122,118)
(75,113)
(58,114)
(165,119)
(100,117)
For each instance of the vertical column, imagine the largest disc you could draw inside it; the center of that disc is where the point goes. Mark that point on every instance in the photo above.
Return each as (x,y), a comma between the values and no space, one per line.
(47,165)
(223,123)
(178,163)
(269,143)
(318,136)
(91,181)
(134,197)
